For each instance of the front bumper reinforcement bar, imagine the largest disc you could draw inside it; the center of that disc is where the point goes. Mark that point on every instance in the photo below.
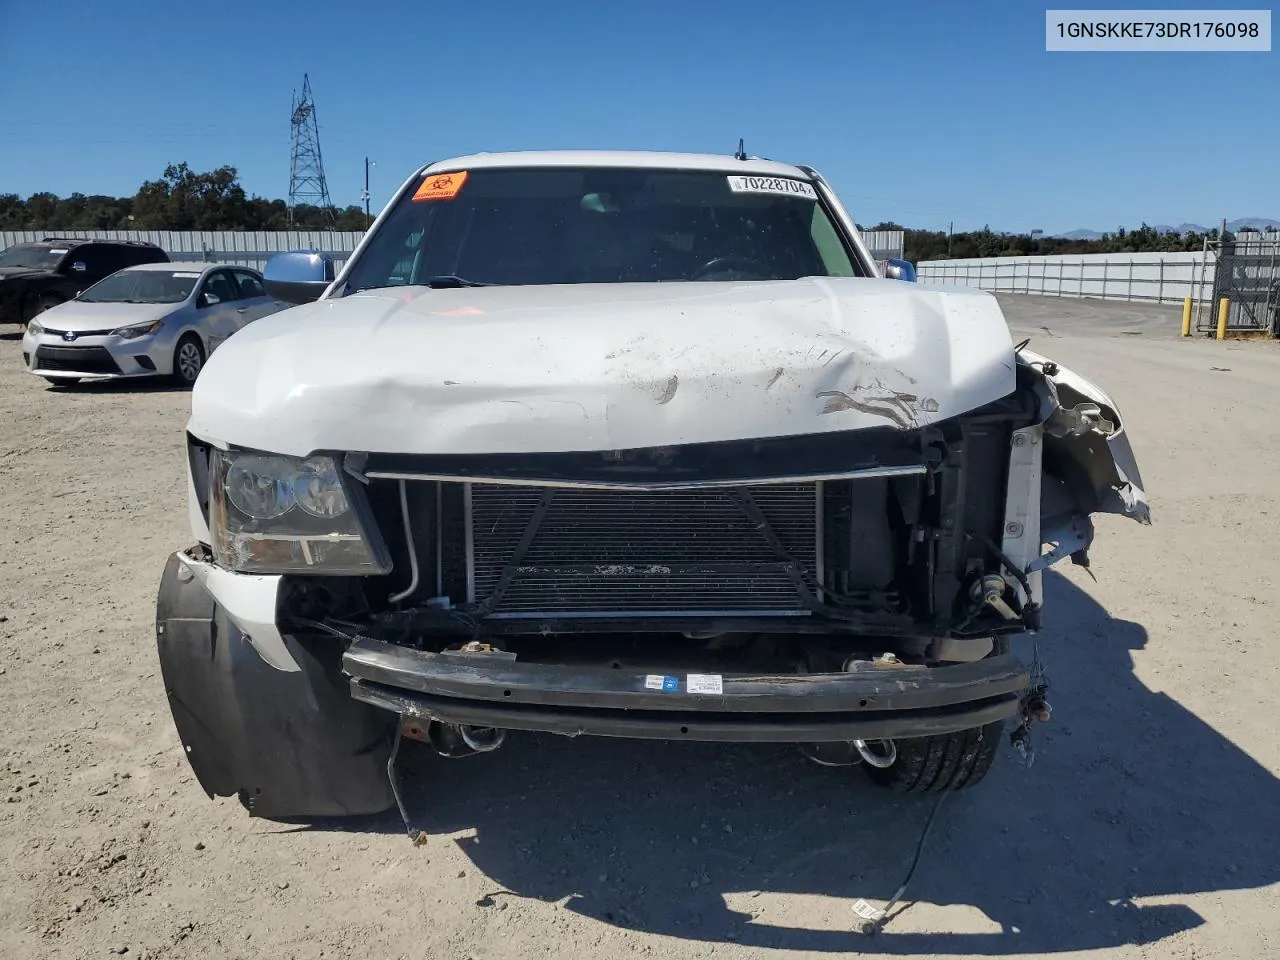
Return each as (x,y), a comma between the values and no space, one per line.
(874,703)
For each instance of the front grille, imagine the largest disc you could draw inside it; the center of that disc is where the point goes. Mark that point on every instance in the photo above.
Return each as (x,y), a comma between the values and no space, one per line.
(76,360)
(79,333)
(573,552)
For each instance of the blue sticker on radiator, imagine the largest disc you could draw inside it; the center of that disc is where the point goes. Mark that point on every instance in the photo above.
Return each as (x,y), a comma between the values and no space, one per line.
(670,684)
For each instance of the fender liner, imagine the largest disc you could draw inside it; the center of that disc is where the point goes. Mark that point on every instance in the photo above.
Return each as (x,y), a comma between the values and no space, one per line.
(288,744)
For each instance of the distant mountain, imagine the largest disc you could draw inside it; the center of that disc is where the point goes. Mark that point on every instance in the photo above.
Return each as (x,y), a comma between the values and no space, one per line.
(1258,223)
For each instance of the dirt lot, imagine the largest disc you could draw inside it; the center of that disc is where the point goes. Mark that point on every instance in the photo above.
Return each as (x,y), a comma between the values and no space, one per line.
(1145,828)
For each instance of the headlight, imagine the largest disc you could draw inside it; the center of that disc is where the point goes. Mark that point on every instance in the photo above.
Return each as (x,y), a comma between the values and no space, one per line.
(319,488)
(137,330)
(34,328)
(275,514)
(261,487)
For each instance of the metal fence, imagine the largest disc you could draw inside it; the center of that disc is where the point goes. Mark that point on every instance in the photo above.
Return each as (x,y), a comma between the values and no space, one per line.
(245,248)
(1248,278)
(1142,277)
(255,248)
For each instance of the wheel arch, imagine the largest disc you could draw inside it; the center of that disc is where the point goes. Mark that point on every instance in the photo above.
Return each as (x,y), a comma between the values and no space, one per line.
(188,329)
(287,743)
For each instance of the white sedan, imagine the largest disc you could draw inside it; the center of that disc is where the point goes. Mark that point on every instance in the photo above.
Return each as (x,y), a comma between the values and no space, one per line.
(152,320)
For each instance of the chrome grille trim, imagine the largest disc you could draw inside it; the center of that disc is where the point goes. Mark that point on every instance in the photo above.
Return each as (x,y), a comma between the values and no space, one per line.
(902,471)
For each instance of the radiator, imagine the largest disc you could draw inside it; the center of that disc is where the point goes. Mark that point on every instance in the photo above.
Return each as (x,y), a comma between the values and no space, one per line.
(568,552)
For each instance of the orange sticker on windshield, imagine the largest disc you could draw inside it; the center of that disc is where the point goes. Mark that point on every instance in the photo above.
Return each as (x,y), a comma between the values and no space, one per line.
(441,186)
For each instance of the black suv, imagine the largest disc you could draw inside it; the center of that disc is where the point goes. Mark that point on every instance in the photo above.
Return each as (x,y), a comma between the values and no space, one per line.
(37,276)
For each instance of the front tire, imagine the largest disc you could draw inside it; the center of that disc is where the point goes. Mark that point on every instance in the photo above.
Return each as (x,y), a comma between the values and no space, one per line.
(949,761)
(188,360)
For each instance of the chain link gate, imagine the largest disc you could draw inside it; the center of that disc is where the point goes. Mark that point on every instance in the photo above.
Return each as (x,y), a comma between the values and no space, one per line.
(1247,276)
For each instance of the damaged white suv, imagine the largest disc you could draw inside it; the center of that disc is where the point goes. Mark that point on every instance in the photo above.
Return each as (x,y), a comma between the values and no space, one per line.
(623,444)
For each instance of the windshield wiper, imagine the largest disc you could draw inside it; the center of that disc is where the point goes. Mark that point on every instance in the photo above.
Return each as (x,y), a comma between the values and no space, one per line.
(449,281)
(446,281)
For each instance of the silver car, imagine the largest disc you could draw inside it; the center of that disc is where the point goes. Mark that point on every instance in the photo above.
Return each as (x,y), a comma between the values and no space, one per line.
(152,320)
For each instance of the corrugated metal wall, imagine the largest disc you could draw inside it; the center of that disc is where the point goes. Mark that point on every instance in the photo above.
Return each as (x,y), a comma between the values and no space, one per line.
(885,244)
(1149,277)
(246,248)
(254,248)
(197,241)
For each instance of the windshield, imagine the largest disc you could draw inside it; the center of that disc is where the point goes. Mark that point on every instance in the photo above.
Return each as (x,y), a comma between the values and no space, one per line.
(33,256)
(142,286)
(602,225)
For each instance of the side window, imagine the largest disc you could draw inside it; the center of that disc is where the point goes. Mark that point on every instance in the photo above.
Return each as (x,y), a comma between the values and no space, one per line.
(250,285)
(113,259)
(220,284)
(132,256)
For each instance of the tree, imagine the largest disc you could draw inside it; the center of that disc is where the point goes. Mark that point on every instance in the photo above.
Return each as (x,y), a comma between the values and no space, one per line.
(13,212)
(185,200)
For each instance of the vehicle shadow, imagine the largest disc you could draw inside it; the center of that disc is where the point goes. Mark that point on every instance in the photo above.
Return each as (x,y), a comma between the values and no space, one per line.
(127,385)
(1130,796)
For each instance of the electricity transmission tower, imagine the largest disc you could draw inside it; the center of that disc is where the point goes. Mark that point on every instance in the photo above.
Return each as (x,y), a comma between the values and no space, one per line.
(306,170)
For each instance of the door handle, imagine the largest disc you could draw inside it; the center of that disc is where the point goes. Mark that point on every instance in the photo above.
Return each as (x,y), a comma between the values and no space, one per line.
(241,309)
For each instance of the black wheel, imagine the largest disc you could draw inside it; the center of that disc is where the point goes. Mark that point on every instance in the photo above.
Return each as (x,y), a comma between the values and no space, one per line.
(63,381)
(37,306)
(188,360)
(948,762)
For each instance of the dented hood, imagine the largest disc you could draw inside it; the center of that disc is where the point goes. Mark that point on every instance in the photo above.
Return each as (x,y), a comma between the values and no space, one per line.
(602,366)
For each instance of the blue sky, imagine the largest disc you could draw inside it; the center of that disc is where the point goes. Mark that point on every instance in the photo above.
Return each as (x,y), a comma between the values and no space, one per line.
(922,113)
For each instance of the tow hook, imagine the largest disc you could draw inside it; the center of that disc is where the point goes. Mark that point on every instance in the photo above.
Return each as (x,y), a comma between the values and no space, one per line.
(453,740)
(482,739)
(448,740)
(881,761)
(881,754)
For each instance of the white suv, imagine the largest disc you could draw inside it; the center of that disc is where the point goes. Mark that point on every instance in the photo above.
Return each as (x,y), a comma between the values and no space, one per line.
(623,444)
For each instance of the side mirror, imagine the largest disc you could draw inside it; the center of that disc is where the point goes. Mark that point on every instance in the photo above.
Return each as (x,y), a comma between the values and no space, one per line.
(895,269)
(209,299)
(299,276)
(78,266)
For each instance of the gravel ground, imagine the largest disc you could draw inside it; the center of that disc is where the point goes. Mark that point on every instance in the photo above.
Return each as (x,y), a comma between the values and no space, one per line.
(1140,831)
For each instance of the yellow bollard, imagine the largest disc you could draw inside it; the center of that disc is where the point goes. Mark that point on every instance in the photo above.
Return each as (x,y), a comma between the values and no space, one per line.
(1186,317)
(1224,307)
